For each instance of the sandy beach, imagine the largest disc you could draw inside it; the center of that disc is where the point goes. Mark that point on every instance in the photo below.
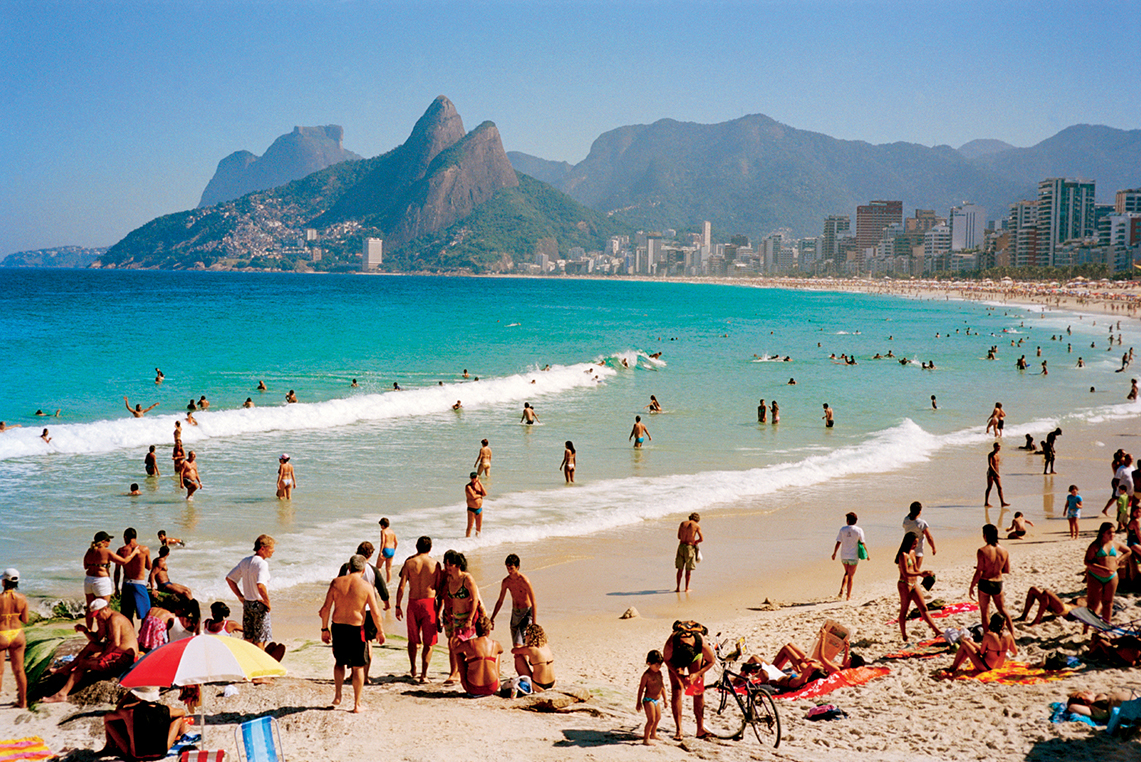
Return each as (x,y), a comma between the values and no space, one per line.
(585,585)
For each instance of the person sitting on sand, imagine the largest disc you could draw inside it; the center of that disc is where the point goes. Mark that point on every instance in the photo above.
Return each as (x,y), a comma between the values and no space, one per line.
(154,631)
(479,671)
(1018,524)
(534,658)
(139,725)
(218,624)
(160,577)
(1048,601)
(112,647)
(1029,446)
(991,654)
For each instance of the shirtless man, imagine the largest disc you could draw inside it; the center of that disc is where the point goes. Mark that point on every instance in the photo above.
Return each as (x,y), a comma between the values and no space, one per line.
(203,403)
(529,416)
(138,410)
(688,535)
(136,599)
(993,478)
(828,416)
(13,617)
(160,577)
(346,601)
(190,478)
(150,463)
(261,386)
(483,460)
(112,648)
(474,493)
(992,562)
(6,426)
(178,457)
(291,397)
(159,376)
(522,601)
(423,575)
(639,433)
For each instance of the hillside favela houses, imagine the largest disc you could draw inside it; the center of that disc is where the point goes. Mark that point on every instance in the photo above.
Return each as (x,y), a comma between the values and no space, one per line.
(1062,227)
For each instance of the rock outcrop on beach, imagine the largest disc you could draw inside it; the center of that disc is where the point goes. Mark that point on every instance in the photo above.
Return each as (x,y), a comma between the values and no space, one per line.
(445,199)
(291,157)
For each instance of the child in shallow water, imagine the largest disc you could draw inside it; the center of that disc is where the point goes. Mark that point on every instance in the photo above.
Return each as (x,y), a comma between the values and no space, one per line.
(652,696)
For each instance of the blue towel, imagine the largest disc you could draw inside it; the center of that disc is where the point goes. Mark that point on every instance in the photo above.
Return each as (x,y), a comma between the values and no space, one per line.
(1061,714)
(187,741)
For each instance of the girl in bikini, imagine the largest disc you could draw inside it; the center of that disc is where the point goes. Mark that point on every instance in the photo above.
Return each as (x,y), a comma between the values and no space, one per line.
(997,644)
(909,575)
(1103,557)
(462,605)
(286,480)
(97,566)
(567,466)
(651,696)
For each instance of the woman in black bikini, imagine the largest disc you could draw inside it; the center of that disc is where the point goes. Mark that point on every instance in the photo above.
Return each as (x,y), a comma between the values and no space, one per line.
(534,659)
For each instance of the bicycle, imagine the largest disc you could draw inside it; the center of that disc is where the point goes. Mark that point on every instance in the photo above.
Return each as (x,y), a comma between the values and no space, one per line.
(738,698)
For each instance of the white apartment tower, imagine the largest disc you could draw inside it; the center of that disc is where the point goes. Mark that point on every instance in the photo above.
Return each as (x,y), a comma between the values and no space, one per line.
(968,227)
(372,254)
(1065,213)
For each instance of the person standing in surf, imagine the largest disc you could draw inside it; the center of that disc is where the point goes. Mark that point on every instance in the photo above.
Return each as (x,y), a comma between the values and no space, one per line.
(474,493)
(567,466)
(483,460)
(529,416)
(639,433)
(829,421)
(762,412)
(286,479)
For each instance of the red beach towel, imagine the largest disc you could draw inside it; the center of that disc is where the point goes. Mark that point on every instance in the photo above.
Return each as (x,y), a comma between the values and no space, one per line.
(954,608)
(842,679)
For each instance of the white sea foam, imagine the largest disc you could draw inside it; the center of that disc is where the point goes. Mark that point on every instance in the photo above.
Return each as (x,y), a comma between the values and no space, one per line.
(133,433)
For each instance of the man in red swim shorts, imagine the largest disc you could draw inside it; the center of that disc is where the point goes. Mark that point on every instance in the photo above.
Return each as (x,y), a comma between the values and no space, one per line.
(111,650)
(423,575)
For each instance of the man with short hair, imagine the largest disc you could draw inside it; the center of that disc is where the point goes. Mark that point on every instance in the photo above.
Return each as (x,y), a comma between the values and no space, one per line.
(917,526)
(424,578)
(993,477)
(111,650)
(523,604)
(136,598)
(252,574)
(688,535)
(347,600)
(639,433)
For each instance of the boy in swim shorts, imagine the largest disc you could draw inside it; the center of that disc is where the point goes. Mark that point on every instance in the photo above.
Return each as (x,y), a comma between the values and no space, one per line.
(522,600)
(388,545)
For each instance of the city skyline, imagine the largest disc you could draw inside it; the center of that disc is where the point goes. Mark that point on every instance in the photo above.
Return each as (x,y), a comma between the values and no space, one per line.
(118,113)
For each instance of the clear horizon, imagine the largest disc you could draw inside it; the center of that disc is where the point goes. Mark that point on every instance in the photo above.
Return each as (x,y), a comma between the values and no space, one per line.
(117,113)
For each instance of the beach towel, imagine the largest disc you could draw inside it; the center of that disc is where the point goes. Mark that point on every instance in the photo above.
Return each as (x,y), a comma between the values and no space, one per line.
(22,749)
(924,649)
(1013,673)
(842,679)
(1059,712)
(186,742)
(954,608)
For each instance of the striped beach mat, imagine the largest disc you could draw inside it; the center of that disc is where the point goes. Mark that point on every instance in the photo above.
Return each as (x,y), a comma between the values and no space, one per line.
(202,756)
(21,749)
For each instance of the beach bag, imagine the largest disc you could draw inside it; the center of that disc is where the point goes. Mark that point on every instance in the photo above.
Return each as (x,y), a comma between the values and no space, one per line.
(862,551)
(826,712)
(697,556)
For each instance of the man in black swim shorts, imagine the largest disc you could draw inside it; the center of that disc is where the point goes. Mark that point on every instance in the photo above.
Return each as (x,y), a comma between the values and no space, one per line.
(346,603)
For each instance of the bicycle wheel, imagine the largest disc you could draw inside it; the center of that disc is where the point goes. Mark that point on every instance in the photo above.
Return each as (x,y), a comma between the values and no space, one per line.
(764,718)
(724,717)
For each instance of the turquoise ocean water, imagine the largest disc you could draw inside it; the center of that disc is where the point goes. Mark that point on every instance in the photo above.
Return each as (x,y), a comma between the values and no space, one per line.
(81,340)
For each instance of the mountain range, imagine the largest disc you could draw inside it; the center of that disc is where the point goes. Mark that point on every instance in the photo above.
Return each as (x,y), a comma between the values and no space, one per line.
(445,199)
(60,256)
(292,156)
(753,175)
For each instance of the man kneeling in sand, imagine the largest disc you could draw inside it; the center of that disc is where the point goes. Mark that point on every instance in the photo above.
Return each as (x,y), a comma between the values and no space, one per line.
(112,648)
(346,601)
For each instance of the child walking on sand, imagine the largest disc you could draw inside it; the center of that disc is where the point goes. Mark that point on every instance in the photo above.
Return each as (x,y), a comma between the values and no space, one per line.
(1073,510)
(652,696)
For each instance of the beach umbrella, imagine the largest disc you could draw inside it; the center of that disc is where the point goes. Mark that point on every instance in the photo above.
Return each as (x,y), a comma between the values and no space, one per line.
(199,660)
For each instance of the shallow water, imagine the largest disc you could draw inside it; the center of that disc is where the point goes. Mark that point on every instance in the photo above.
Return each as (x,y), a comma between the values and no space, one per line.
(80,340)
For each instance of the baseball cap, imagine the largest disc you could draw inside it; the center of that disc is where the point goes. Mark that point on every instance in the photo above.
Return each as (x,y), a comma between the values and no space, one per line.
(472,475)
(102,537)
(12,575)
(96,605)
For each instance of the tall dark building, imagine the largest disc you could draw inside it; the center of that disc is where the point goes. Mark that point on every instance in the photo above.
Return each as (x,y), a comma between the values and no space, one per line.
(872,218)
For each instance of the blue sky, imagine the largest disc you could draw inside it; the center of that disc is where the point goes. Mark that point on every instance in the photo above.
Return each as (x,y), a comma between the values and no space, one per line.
(113,113)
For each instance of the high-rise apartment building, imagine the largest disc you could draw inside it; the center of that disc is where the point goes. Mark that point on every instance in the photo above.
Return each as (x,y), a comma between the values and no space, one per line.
(1022,227)
(872,218)
(1065,213)
(968,227)
(924,220)
(372,254)
(835,225)
(936,241)
(1128,201)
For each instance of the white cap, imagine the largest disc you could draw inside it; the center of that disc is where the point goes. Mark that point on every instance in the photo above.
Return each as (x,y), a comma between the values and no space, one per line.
(147,693)
(97,604)
(12,574)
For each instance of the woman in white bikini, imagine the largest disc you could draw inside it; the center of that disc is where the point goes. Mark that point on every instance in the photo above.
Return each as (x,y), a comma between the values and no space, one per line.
(567,466)
(286,479)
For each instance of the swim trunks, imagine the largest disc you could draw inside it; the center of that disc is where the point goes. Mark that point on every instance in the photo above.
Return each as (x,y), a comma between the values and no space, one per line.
(256,624)
(476,511)
(421,621)
(349,645)
(1018,534)
(1001,423)
(100,587)
(521,619)
(113,661)
(388,552)
(136,599)
(990,587)
(686,557)
(640,440)
(850,561)
(828,424)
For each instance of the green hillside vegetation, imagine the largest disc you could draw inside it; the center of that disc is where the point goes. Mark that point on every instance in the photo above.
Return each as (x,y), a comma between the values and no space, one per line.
(509,224)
